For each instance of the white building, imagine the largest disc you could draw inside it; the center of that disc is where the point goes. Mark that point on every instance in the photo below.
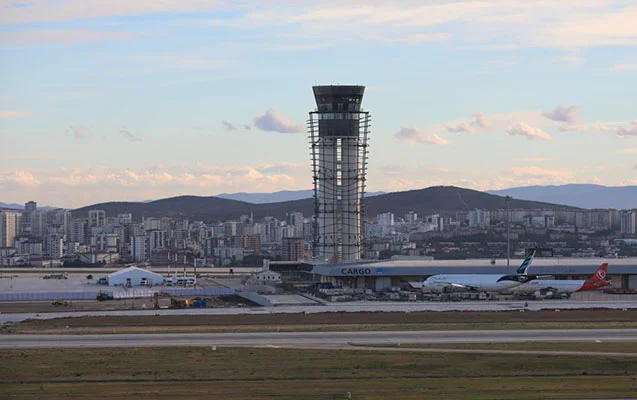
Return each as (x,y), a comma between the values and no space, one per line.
(133,276)
(479,218)
(9,227)
(139,248)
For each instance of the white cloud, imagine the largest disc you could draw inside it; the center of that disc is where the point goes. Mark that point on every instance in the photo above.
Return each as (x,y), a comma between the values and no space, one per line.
(18,178)
(627,132)
(531,133)
(413,135)
(624,67)
(627,151)
(562,114)
(567,24)
(478,122)
(59,37)
(6,114)
(533,170)
(274,121)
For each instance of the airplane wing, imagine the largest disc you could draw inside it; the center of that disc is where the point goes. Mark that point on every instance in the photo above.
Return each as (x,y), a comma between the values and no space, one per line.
(461,286)
(517,278)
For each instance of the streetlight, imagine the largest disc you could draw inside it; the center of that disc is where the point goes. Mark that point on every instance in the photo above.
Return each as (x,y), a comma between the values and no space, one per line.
(507,200)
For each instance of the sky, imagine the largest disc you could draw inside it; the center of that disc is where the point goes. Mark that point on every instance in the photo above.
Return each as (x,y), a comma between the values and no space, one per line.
(119,100)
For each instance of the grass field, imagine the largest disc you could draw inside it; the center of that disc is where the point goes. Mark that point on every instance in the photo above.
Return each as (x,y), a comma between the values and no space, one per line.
(249,373)
(599,347)
(332,322)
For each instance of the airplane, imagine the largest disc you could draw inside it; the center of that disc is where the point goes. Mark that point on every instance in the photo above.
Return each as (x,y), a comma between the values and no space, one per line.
(442,283)
(549,287)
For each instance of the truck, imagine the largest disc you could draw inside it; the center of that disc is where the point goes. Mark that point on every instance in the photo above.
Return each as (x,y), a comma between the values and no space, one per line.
(103,296)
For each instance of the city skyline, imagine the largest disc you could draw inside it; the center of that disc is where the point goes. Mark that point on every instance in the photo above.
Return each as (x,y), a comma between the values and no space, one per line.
(131,102)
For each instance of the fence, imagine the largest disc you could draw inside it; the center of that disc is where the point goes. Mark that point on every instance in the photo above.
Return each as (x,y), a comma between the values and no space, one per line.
(117,294)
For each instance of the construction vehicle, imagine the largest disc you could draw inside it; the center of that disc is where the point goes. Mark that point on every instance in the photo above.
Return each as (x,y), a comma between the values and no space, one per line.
(63,275)
(197,302)
(102,296)
(60,302)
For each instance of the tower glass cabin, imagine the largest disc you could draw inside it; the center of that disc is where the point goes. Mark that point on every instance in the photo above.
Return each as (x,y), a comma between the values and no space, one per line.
(338,132)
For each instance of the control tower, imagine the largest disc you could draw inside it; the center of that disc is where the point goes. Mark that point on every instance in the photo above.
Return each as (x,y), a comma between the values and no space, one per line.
(338,132)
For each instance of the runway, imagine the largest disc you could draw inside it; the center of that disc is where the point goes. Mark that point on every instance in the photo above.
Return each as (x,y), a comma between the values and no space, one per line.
(316,339)
(347,307)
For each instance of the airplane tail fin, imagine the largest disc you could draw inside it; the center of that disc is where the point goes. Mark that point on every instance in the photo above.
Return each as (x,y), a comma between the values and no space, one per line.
(597,280)
(526,264)
(599,276)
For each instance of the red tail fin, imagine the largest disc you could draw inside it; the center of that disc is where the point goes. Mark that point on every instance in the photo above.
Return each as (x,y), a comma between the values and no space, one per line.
(597,280)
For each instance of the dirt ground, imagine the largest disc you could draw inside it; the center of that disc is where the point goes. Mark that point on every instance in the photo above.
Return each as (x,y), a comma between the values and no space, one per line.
(332,321)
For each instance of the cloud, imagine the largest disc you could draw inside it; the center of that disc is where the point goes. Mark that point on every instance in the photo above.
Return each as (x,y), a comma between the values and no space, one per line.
(562,114)
(18,178)
(531,133)
(228,126)
(627,132)
(413,135)
(6,114)
(128,135)
(478,122)
(22,38)
(627,151)
(80,186)
(533,171)
(80,132)
(274,121)
(624,67)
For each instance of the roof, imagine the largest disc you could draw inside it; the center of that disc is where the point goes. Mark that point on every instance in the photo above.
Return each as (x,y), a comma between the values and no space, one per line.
(553,266)
(132,269)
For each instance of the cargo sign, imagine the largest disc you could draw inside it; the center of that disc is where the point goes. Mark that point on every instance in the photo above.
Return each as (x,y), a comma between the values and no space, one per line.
(356,271)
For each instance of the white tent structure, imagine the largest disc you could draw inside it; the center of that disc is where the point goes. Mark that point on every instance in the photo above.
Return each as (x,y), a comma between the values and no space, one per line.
(134,276)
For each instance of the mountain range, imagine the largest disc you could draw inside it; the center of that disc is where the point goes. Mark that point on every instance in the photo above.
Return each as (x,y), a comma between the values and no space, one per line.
(276,197)
(578,195)
(16,206)
(435,199)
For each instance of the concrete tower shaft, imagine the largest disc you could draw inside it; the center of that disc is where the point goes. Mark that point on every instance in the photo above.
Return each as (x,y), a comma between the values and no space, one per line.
(338,132)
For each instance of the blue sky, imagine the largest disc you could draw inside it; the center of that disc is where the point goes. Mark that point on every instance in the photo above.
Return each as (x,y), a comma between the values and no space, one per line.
(119,100)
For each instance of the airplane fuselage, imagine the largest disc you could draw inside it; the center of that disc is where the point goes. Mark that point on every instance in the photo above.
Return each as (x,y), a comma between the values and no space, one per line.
(476,282)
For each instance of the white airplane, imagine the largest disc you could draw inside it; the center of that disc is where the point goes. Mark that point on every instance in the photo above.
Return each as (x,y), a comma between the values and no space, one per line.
(548,287)
(479,282)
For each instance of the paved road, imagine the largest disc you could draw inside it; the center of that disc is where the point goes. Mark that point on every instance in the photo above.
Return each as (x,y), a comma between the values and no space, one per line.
(328,339)
(347,307)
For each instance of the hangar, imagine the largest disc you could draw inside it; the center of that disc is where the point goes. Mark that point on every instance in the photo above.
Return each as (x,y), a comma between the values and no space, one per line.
(133,276)
(384,274)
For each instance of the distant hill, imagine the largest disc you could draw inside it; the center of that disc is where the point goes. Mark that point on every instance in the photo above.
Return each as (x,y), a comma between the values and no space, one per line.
(209,209)
(276,197)
(579,195)
(16,206)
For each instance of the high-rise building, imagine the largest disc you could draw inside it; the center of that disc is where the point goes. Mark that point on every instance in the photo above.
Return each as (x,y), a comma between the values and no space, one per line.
(252,242)
(78,231)
(10,222)
(628,222)
(96,218)
(411,217)
(292,249)
(338,131)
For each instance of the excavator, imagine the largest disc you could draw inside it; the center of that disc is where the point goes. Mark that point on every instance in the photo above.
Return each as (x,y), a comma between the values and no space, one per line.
(179,303)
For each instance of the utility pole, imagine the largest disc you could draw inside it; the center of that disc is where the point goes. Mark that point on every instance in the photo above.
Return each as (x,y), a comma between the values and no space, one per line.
(507,200)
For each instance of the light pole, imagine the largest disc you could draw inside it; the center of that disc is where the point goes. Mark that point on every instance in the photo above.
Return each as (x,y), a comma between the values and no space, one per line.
(507,200)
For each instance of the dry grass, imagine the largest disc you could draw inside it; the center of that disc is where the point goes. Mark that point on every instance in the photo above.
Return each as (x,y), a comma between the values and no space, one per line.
(247,373)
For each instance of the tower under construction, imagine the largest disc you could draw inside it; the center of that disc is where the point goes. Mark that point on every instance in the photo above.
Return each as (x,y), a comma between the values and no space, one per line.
(338,130)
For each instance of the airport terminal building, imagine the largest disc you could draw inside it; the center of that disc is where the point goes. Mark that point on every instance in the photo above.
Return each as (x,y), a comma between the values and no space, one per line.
(383,275)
